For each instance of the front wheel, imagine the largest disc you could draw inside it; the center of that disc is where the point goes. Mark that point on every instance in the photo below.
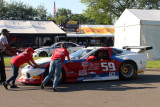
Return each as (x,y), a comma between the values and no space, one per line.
(127,71)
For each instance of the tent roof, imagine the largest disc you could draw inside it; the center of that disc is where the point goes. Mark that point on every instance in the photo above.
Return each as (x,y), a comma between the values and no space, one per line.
(94,31)
(132,17)
(30,27)
(152,15)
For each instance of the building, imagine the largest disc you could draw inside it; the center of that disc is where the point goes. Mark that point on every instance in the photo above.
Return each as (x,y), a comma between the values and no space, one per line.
(29,33)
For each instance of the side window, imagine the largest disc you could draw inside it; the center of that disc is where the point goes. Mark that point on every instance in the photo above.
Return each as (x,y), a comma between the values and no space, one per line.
(102,55)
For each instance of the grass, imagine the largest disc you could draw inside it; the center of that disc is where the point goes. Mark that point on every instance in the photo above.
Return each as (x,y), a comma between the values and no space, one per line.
(150,64)
(153,64)
(8,59)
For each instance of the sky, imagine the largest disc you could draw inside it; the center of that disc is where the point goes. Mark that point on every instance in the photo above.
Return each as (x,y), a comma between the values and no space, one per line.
(74,5)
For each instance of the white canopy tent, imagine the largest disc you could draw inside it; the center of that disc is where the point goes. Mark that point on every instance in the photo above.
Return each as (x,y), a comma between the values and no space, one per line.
(31,27)
(137,27)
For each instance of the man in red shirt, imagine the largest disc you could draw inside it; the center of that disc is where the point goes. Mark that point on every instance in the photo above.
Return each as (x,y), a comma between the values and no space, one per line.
(57,59)
(17,61)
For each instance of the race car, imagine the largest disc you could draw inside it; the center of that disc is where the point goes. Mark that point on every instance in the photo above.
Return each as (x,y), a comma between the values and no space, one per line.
(92,64)
(47,51)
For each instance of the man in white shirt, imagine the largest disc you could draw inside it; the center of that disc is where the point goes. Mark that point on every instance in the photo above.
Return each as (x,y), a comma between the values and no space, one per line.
(4,47)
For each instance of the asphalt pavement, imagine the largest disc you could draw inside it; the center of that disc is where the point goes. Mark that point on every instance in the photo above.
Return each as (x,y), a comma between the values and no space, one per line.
(143,91)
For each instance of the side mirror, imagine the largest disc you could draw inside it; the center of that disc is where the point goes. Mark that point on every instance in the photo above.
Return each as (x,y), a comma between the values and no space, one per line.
(91,58)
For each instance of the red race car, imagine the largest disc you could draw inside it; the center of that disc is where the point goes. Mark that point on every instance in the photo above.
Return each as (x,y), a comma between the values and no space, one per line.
(92,64)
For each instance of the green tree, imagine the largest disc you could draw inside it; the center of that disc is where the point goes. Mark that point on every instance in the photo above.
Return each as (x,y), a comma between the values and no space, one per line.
(2,9)
(106,11)
(41,13)
(62,15)
(21,11)
(63,12)
(82,19)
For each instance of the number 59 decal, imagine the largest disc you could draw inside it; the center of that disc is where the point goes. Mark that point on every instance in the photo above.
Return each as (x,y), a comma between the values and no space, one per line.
(108,66)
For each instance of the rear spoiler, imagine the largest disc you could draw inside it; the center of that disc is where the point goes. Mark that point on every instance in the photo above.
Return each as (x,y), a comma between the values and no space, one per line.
(142,48)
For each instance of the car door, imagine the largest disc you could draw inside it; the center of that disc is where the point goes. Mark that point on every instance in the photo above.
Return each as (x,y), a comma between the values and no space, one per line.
(103,66)
(107,65)
(76,68)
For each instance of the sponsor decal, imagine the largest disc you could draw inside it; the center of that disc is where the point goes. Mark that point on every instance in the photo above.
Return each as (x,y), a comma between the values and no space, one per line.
(82,72)
(70,72)
(84,64)
(96,64)
(92,73)
(81,78)
(101,30)
(112,74)
(96,68)
(36,77)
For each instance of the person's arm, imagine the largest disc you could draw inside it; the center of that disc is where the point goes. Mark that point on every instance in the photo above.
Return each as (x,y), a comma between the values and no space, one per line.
(30,63)
(35,64)
(10,48)
(8,52)
(69,60)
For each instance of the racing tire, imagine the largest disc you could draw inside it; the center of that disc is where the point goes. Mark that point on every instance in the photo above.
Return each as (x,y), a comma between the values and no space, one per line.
(61,76)
(43,54)
(127,71)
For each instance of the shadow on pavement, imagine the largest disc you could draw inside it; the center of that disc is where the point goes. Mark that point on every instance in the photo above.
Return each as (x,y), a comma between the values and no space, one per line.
(116,85)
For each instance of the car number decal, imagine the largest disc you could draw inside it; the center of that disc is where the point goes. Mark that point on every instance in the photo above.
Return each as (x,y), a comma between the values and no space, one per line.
(108,66)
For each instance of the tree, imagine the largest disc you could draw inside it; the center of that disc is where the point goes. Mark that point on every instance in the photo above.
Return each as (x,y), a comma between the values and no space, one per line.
(63,12)
(106,11)
(62,15)
(21,11)
(82,19)
(41,13)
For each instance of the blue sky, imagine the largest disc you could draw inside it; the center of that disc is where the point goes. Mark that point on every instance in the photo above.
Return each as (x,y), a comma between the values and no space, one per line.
(74,5)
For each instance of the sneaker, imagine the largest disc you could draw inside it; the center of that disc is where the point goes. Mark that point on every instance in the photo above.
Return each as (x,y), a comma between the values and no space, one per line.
(5,85)
(14,86)
(42,86)
(55,89)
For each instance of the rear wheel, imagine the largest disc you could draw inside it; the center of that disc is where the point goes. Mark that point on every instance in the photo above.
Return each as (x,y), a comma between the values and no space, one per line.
(127,71)
(43,54)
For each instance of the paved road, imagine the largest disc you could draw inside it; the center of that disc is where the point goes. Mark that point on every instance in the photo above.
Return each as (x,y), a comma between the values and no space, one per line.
(144,91)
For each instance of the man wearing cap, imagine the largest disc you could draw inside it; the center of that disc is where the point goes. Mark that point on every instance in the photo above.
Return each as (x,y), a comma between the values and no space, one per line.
(4,47)
(16,62)
(55,68)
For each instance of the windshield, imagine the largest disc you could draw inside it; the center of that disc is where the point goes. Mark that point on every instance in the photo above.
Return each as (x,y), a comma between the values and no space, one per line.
(78,54)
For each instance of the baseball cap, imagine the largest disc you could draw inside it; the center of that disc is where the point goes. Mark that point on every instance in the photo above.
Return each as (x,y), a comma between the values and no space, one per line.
(30,49)
(5,30)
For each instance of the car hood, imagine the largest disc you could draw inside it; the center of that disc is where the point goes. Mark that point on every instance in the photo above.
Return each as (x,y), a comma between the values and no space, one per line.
(43,60)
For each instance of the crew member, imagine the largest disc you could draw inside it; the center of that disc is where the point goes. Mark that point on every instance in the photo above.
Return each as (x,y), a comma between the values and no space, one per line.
(55,68)
(17,61)
(4,47)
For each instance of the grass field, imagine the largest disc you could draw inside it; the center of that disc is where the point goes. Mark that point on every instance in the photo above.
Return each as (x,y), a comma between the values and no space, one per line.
(150,64)
(8,59)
